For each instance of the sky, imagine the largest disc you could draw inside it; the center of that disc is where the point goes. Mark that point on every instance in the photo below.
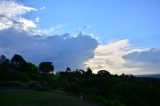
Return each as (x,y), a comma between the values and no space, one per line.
(121,36)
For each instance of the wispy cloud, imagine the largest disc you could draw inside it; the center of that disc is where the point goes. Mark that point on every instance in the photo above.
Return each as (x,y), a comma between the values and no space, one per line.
(37,19)
(13,9)
(42,8)
(12,17)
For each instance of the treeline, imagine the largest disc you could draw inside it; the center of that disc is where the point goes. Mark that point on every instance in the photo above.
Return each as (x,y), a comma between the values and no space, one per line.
(103,87)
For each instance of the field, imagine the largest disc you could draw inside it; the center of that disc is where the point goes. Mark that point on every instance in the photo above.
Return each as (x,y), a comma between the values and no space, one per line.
(21,97)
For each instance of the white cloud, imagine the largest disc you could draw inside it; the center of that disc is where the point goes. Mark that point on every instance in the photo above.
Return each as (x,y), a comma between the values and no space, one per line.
(109,57)
(37,19)
(119,57)
(12,17)
(42,8)
(27,24)
(55,30)
(12,9)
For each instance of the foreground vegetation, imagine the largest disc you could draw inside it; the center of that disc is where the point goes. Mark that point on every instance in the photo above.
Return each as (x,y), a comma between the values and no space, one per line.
(103,87)
(22,97)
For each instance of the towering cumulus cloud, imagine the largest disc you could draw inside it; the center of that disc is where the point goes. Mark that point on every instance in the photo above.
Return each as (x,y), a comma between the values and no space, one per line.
(20,35)
(120,57)
(63,50)
(109,57)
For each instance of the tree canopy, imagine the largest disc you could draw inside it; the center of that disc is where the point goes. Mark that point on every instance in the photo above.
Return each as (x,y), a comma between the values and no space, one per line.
(46,67)
(18,62)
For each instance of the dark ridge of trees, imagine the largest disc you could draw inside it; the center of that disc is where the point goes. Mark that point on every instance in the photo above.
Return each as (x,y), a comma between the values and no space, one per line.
(17,69)
(103,87)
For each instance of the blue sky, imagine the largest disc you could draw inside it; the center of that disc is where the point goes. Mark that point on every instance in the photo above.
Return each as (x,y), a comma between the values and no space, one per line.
(136,20)
(121,36)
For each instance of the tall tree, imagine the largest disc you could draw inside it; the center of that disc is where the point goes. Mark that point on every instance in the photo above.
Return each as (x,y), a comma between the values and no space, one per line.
(4,60)
(17,62)
(68,69)
(89,71)
(46,67)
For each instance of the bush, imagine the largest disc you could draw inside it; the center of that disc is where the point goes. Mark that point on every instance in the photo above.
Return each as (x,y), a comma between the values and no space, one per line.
(12,84)
(19,76)
(35,85)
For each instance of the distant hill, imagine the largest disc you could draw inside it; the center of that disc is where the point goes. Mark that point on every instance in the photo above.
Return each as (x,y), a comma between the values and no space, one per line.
(149,75)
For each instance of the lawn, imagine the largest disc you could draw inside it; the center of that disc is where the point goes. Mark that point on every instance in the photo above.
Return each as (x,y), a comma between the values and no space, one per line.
(21,97)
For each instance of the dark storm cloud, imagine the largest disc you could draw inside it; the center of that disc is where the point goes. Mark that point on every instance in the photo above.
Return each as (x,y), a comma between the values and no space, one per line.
(62,50)
(148,59)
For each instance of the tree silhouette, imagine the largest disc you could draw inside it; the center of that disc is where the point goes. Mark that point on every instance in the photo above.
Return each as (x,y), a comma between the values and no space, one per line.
(46,67)
(68,69)
(103,73)
(17,62)
(89,71)
(4,60)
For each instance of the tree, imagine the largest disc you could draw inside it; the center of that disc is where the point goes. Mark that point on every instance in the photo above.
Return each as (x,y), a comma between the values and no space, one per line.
(103,73)
(89,71)
(17,62)
(46,67)
(31,70)
(68,69)
(4,60)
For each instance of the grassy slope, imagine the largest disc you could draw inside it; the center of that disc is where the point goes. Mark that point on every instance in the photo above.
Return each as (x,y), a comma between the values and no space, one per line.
(35,98)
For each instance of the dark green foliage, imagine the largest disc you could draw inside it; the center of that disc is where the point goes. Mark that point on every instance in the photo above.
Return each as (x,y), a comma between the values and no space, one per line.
(46,67)
(7,74)
(89,71)
(4,60)
(35,85)
(103,87)
(68,69)
(111,90)
(18,69)
(7,84)
(17,62)
(103,73)
(32,71)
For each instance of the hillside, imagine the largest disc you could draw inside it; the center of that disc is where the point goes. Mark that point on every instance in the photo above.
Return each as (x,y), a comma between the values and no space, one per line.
(20,97)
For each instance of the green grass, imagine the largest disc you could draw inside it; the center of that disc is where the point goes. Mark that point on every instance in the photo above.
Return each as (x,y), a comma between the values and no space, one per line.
(21,97)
